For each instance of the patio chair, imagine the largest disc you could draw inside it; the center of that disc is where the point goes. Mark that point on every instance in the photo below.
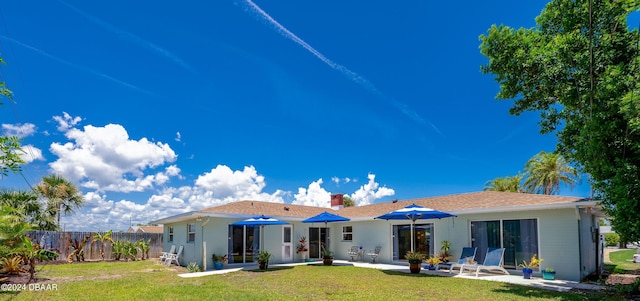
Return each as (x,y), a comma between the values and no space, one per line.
(375,254)
(492,262)
(165,255)
(354,252)
(174,257)
(467,253)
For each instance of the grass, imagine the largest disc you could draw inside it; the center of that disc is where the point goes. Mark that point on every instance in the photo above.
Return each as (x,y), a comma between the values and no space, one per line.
(148,280)
(620,264)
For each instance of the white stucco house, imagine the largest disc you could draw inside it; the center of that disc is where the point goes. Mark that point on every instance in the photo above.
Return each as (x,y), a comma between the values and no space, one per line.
(562,230)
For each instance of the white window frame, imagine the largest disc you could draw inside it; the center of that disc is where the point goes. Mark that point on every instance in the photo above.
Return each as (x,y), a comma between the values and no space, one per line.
(170,234)
(191,232)
(347,235)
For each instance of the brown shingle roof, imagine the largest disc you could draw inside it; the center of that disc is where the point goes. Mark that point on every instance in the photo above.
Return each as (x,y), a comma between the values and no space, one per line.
(255,208)
(454,202)
(152,229)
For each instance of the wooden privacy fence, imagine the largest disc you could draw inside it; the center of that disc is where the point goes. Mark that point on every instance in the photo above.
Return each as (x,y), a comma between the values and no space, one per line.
(60,242)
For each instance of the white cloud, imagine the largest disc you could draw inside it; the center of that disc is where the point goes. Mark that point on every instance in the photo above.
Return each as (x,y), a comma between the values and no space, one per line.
(19,130)
(178,137)
(370,192)
(65,122)
(31,153)
(105,159)
(337,180)
(314,195)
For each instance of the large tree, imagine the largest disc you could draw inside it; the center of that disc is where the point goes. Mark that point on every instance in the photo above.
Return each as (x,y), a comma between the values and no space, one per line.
(27,208)
(546,171)
(508,184)
(579,69)
(10,148)
(62,196)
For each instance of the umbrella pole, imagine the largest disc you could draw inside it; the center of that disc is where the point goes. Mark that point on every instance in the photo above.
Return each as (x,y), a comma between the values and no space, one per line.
(412,222)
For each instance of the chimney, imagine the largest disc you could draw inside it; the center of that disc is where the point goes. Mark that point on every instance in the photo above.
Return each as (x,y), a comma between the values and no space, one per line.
(337,202)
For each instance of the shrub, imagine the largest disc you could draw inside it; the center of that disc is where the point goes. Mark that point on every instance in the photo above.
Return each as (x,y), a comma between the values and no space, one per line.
(193,267)
(612,239)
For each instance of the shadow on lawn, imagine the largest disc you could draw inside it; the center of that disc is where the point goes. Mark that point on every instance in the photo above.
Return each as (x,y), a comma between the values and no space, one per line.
(532,293)
(270,269)
(405,273)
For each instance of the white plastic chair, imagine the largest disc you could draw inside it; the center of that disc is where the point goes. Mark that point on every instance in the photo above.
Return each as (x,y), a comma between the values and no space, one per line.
(165,255)
(375,254)
(354,252)
(492,262)
(174,257)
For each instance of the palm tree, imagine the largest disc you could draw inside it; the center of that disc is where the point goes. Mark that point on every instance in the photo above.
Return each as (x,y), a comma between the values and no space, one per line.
(508,184)
(545,171)
(102,238)
(27,207)
(61,195)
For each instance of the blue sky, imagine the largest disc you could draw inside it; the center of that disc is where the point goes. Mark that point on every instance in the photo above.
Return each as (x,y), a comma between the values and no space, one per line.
(153,110)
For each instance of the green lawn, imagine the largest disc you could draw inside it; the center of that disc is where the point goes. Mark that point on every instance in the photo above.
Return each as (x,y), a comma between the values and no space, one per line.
(619,262)
(148,280)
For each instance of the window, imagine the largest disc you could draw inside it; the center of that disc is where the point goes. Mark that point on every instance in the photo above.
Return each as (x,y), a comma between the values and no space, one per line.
(518,237)
(347,233)
(170,233)
(191,232)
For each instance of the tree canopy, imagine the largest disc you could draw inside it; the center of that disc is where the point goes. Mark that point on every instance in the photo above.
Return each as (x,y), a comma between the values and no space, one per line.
(579,69)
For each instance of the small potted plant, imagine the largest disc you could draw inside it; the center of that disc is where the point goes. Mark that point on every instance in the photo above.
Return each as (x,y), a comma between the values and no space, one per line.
(549,274)
(433,262)
(219,260)
(327,256)
(415,261)
(527,268)
(263,259)
(302,247)
(444,254)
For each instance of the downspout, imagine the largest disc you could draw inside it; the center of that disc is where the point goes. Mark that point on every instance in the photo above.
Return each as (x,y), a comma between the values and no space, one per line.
(579,238)
(204,245)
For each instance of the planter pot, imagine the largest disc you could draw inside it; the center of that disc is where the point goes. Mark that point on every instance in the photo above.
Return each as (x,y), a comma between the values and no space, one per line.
(526,273)
(414,267)
(218,265)
(548,275)
(303,255)
(327,260)
(263,265)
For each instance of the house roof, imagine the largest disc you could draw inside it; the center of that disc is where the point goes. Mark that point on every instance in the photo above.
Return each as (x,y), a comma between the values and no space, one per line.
(474,202)
(146,229)
(466,203)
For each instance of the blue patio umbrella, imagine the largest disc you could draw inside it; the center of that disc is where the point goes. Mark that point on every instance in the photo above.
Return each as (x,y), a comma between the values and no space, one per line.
(326,217)
(414,212)
(261,221)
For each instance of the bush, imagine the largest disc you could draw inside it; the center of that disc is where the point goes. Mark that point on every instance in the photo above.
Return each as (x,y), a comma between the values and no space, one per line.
(612,239)
(193,267)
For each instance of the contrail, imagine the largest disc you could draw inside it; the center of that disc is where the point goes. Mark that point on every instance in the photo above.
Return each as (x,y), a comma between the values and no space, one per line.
(357,78)
(110,78)
(131,37)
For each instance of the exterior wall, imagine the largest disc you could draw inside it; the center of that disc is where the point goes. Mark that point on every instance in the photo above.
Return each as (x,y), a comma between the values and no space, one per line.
(592,255)
(367,234)
(558,239)
(564,243)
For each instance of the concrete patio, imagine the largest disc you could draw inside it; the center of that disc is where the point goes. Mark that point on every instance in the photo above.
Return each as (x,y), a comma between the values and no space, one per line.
(537,282)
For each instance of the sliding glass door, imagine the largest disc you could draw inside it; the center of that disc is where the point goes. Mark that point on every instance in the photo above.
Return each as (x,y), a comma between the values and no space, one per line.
(243,243)
(518,237)
(317,237)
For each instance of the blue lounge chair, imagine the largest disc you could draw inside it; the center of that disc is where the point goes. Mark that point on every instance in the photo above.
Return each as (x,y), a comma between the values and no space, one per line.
(492,262)
(467,253)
